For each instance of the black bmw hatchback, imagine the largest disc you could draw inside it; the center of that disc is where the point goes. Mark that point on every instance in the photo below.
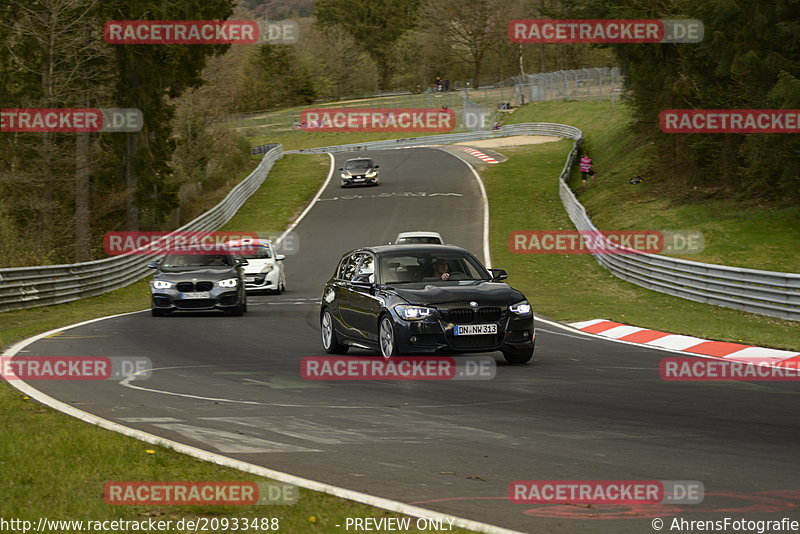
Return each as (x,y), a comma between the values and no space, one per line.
(405,299)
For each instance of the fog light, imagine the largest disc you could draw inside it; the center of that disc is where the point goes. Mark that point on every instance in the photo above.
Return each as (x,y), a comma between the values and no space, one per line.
(526,333)
(413,339)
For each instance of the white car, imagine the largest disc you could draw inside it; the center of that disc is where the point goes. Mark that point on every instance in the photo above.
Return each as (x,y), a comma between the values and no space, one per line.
(419,238)
(264,270)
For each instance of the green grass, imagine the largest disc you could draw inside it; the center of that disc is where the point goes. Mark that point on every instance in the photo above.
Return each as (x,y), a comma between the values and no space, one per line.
(523,195)
(54,466)
(736,232)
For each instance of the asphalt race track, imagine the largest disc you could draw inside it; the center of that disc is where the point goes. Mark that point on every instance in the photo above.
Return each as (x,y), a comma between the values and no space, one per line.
(586,409)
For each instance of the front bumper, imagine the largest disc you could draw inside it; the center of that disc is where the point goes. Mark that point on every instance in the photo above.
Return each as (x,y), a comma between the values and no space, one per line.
(216,299)
(262,281)
(437,335)
(358,180)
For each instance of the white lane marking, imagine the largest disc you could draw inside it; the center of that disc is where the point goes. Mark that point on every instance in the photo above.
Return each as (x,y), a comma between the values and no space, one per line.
(298,428)
(414,194)
(310,204)
(232,442)
(559,334)
(149,419)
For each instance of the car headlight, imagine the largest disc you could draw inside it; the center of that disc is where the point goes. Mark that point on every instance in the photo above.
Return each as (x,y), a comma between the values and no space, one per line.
(372,174)
(520,308)
(345,175)
(228,282)
(161,284)
(267,268)
(414,313)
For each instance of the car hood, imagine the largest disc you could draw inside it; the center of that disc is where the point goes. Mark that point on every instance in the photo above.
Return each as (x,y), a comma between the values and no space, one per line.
(483,292)
(181,275)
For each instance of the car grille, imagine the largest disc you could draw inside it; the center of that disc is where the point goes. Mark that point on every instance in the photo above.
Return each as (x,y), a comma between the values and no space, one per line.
(459,315)
(467,315)
(489,314)
(187,287)
(193,304)
(486,341)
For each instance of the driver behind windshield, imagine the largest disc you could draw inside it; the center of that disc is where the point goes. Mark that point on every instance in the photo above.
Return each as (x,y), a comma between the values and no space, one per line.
(441,268)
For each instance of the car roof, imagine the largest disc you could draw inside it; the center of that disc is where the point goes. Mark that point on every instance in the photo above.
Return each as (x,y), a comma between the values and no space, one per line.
(386,249)
(249,242)
(419,234)
(213,250)
(358,159)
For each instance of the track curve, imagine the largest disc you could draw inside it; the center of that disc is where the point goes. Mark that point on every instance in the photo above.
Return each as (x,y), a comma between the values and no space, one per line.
(587,409)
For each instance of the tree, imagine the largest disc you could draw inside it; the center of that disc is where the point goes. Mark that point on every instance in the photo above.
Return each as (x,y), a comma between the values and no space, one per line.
(472,28)
(149,75)
(375,25)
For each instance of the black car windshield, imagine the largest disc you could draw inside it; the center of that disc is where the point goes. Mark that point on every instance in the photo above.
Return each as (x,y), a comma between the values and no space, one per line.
(255,252)
(410,267)
(358,165)
(205,261)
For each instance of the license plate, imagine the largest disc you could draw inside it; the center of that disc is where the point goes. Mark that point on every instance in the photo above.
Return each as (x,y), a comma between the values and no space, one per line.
(474,329)
(196,295)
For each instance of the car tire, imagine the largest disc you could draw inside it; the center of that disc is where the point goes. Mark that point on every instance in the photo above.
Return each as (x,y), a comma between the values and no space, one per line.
(386,338)
(330,342)
(238,310)
(518,356)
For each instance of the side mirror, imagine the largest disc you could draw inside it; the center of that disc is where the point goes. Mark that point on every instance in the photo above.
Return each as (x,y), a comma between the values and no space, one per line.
(153,265)
(376,167)
(498,274)
(341,168)
(242,262)
(361,280)
(280,257)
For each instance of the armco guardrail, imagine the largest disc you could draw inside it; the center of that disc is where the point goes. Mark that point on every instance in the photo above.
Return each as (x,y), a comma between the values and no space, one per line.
(29,287)
(763,292)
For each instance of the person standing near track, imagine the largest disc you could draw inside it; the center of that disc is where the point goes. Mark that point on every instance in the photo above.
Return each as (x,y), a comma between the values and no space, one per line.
(586,169)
